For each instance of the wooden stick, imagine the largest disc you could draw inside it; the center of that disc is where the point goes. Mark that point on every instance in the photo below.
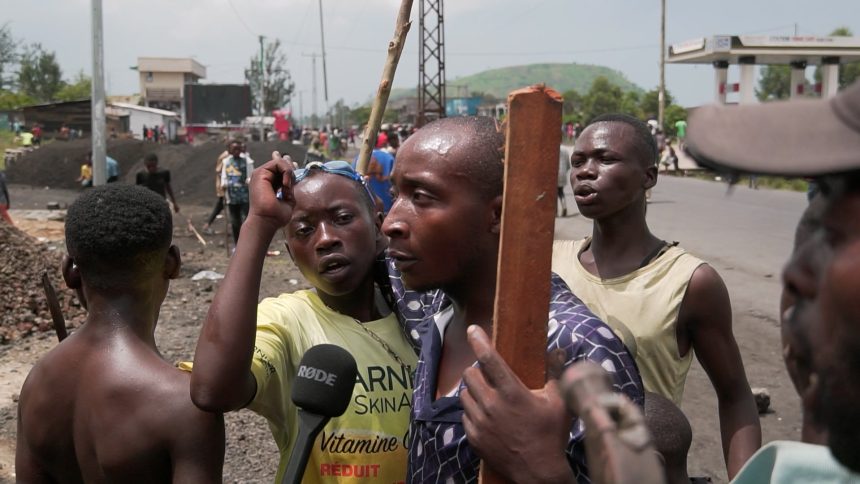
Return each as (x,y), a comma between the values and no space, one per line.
(194,230)
(54,307)
(395,47)
(525,250)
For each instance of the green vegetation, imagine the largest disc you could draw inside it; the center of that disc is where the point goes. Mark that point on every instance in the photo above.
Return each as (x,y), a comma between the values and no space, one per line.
(30,74)
(605,97)
(497,83)
(7,140)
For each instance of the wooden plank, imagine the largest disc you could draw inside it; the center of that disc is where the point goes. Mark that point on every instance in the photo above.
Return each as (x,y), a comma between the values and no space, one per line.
(528,223)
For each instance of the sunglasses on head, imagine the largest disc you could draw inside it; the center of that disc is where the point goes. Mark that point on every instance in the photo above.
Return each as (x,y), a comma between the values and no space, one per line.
(337,167)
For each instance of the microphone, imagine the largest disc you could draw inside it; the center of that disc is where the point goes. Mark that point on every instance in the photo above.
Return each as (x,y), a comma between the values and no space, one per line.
(322,390)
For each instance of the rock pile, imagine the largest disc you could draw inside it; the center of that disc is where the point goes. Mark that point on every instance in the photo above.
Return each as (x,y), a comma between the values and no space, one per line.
(23,307)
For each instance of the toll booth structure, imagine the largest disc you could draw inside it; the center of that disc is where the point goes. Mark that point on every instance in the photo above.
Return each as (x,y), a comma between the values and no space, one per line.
(747,51)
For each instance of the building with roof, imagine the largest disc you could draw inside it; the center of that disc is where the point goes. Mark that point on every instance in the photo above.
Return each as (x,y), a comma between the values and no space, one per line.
(136,117)
(163,80)
(747,51)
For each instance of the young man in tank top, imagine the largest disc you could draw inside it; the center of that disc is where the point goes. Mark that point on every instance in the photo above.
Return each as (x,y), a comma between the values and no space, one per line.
(663,302)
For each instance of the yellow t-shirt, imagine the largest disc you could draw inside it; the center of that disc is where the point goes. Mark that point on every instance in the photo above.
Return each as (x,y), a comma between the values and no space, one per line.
(86,172)
(641,307)
(368,442)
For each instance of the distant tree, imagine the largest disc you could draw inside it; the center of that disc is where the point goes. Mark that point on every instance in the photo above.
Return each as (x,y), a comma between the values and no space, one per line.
(571,107)
(13,100)
(672,115)
(630,104)
(774,83)
(360,114)
(651,101)
(603,97)
(8,57)
(848,73)
(79,88)
(279,85)
(39,75)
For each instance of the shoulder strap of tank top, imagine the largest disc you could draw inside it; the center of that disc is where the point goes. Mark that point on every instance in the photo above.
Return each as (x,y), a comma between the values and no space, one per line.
(656,253)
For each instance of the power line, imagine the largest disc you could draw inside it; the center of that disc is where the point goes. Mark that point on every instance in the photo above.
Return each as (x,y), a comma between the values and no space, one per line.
(241,20)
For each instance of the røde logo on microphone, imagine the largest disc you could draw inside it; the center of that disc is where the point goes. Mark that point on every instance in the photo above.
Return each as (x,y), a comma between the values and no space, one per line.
(316,374)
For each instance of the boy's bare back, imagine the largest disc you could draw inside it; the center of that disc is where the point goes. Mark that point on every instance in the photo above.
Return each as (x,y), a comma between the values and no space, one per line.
(106,408)
(103,406)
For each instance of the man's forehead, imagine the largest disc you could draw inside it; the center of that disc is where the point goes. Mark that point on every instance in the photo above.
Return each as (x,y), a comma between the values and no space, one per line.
(438,140)
(604,135)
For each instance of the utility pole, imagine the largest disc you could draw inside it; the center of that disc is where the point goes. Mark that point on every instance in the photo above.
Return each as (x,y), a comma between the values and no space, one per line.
(262,79)
(661,96)
(97,103)
(313,57)
(301,108)
(325,75)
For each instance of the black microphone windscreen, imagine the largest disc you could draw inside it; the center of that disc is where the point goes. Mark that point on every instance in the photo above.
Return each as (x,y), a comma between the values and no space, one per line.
(325,380)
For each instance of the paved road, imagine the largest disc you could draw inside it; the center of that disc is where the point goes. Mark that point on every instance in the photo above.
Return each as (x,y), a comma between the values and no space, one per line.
(747,237)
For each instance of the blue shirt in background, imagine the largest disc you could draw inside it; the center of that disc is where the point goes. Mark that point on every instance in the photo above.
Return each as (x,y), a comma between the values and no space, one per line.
(379,174)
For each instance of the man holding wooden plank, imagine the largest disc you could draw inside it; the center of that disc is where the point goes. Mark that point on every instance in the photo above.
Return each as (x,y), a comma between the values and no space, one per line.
(444,228)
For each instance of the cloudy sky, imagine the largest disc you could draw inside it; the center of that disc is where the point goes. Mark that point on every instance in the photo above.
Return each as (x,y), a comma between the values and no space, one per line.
(480,34)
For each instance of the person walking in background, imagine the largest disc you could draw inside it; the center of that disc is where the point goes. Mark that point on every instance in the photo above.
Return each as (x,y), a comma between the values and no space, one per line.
(219,190)
(156,180)
(112,169)
(37,135)
(563,170)
(235,175)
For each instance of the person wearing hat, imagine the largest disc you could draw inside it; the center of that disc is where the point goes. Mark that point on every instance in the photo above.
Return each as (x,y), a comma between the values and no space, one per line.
(812,138)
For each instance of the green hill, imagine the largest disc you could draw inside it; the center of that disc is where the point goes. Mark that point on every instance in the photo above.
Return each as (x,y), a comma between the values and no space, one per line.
(499,82)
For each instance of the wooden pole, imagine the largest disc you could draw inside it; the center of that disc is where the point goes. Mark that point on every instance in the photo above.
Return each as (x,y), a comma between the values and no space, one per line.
(528,222)
(54,307)
(395,47)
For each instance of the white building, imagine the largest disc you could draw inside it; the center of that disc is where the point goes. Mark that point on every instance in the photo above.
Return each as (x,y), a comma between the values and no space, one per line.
(140,116)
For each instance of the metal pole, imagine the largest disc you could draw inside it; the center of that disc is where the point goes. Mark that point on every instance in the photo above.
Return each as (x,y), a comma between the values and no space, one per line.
(262,78)
(262,88)
(97,102)
(322,43)
(661,97)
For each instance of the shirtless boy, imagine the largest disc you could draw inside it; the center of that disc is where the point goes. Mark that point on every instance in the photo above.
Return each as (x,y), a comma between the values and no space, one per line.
(104,406)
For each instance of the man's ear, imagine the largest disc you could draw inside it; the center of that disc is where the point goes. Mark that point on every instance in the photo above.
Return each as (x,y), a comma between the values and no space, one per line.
(71,273)
(496,220)
(650,176)
(172,263)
